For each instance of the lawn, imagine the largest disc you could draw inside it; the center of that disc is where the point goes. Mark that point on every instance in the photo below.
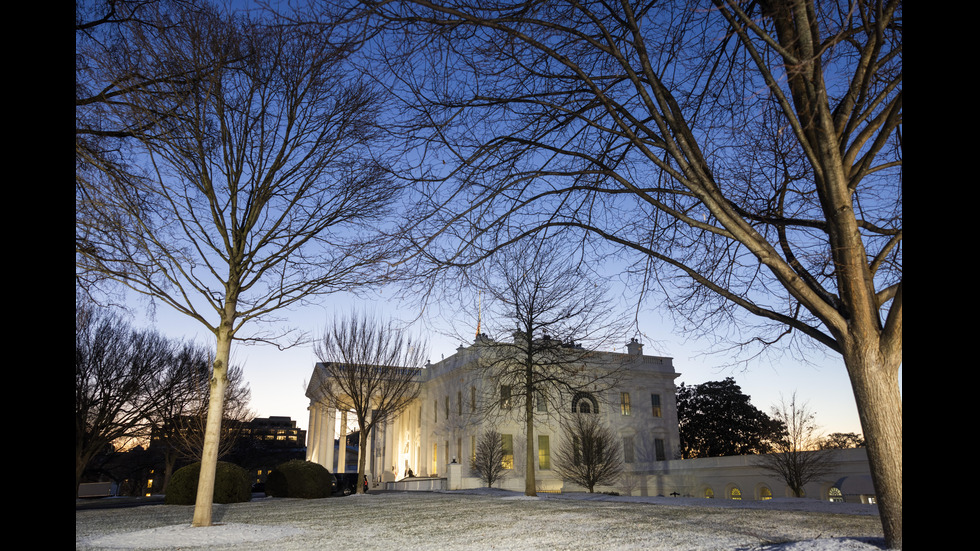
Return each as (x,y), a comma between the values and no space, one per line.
(495,520)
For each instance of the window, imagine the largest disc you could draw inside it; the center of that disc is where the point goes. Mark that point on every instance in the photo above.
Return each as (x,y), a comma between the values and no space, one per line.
(447,408)
(655,400)
(835,495)
(628,455)
(472,448)
(765,493)
(435,458)
(505,401)
(472,399)
(624,402)
(709,493)
(583,402)
(658,445)
(576,446)
(459,403)
(435,411)
(735,494)
(508,445)
(544,452)
(542,404)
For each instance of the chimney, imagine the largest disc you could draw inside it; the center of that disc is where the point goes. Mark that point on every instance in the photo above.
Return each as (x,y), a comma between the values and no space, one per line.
(634,348)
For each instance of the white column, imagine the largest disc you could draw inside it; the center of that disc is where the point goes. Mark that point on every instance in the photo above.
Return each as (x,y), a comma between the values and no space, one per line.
(312,435)
(328,422)
(342,448)
(390,452)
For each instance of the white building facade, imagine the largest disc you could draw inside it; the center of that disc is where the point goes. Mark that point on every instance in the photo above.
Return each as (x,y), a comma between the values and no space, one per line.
(439,431)
(430,444)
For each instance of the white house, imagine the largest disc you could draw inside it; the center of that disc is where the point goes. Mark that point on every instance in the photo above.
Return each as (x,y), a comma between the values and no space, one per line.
(430,444)
(442,426)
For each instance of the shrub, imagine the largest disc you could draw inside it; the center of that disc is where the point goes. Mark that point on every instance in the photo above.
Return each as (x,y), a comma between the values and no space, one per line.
(298,478)
(231,485)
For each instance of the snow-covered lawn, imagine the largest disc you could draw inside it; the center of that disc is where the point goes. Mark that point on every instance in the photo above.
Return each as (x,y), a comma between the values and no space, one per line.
(494,520)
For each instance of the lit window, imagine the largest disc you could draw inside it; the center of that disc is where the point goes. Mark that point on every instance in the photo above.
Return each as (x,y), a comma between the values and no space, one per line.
(835,495)
(735,494)
(765,493)
(505,401)
(624,402)
(435,455)
(655,400)
(544,452)
(628,455)
(472,448)
(709,493)
(508,445)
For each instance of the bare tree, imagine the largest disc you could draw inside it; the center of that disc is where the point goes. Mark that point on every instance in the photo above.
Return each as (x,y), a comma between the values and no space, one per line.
(261,190)
(115,373)
(797,457)
(588,455)
(557,317)
(369,366)
(488,458)
(104,34)
(746,155)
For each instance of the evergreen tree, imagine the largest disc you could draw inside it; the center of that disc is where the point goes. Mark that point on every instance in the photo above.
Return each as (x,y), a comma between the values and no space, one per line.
(716,419)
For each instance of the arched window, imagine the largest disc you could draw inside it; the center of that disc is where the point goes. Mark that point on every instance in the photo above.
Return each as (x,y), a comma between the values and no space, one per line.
(735,493)
(765,493)
(583,402)
(709,493)
(835,495)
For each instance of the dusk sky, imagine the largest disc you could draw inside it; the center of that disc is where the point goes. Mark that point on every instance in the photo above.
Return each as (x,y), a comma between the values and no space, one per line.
(277,378)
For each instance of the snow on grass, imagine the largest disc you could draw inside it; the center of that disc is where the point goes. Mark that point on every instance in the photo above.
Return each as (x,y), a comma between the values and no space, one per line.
(491,519)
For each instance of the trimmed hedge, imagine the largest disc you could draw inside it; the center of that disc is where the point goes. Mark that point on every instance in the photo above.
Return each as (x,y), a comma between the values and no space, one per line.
(298,478)
(231,484)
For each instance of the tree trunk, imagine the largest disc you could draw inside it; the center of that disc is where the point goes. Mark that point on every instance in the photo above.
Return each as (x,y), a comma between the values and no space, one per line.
(529,481)
(169,460)
(362,459)
(874,379)
(212,431)
(81,461)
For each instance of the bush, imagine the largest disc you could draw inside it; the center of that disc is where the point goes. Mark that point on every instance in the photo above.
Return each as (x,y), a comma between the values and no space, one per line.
(298,478)
(231,485)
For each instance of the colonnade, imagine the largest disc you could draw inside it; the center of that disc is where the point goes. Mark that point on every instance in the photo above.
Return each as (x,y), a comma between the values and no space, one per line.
(392,448)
